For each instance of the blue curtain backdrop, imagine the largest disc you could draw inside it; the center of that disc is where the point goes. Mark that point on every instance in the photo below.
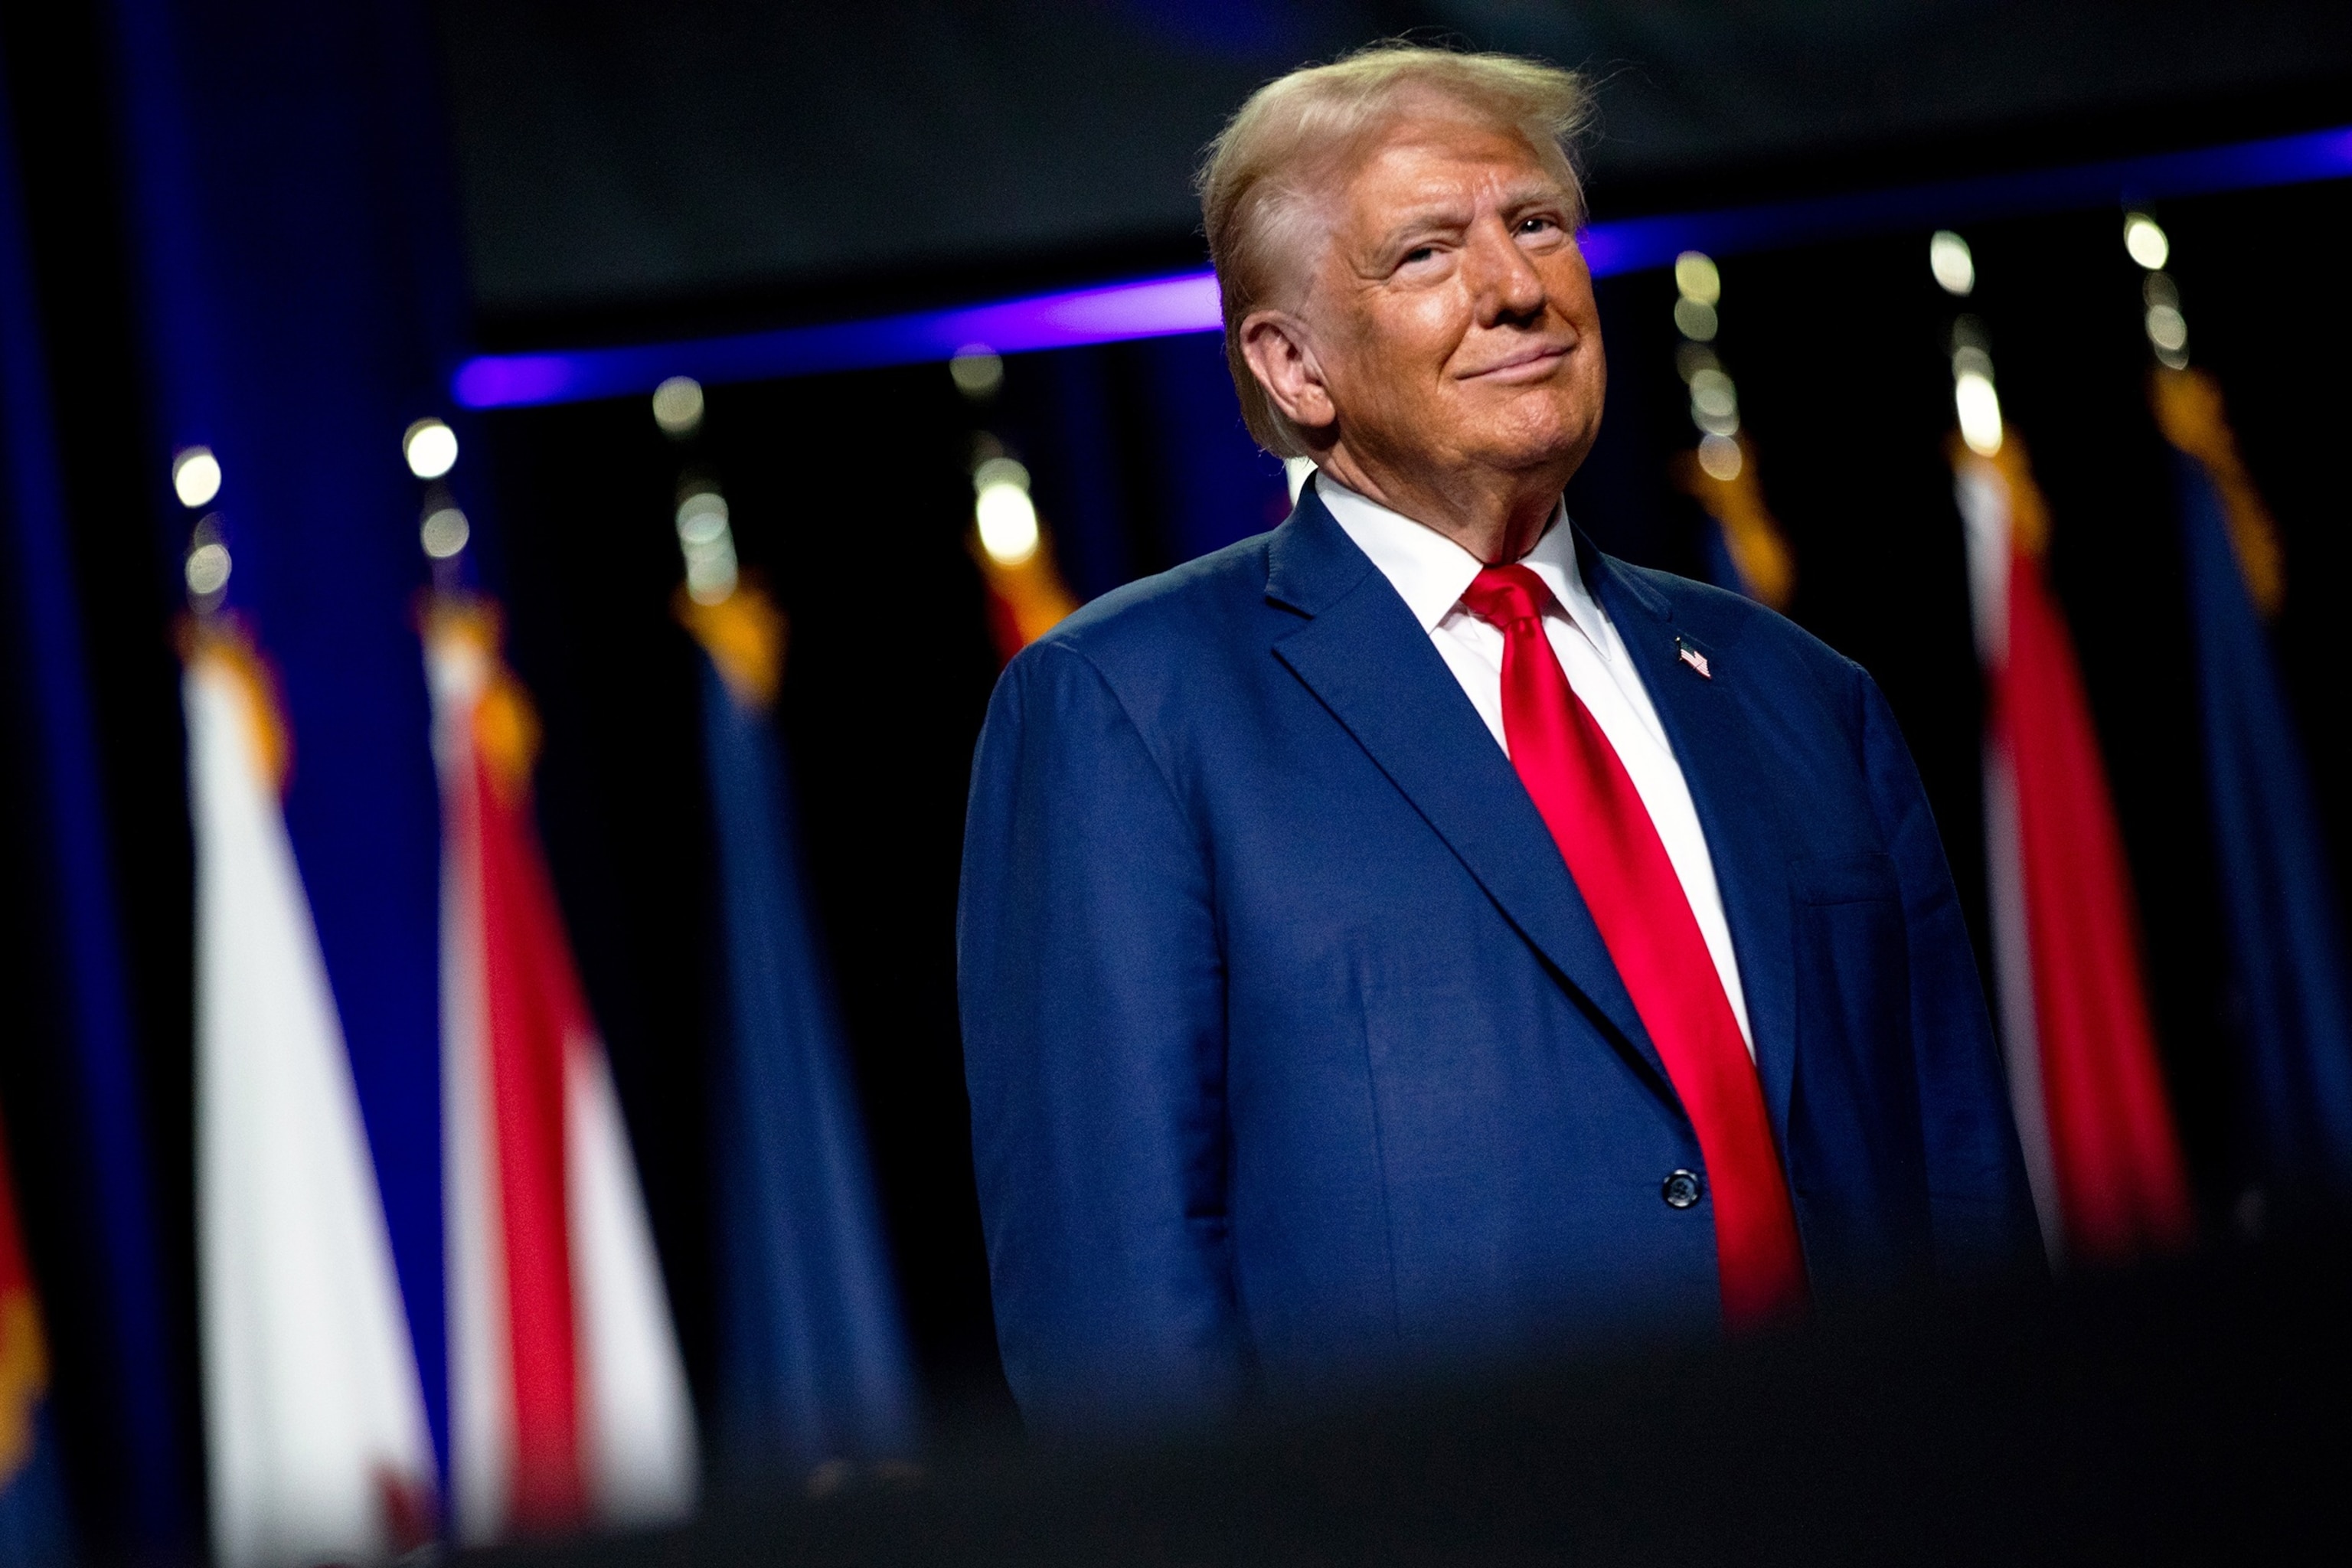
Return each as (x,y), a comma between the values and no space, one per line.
(294,237)
(1218,484)
(2286,951)
(1139,457)
(108,1205)
(813,1360)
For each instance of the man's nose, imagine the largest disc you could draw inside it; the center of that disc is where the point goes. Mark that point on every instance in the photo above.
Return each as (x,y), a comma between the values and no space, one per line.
(1505,283)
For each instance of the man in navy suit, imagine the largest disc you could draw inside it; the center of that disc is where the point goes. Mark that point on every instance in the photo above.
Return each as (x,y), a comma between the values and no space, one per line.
(1412,933)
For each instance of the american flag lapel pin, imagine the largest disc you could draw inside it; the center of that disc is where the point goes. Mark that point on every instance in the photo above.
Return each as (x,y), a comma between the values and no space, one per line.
(1692,657)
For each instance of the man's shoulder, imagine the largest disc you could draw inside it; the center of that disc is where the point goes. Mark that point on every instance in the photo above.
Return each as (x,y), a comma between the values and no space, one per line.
(1736,625)
(1184,612)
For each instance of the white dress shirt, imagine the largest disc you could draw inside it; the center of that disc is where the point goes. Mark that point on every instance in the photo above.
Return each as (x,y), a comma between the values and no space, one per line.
(1430,573)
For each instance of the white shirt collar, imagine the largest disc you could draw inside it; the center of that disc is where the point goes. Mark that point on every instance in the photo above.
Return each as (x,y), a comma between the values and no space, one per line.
(1430,572)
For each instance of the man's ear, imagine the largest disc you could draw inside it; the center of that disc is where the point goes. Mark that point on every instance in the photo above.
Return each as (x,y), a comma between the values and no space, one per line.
(1283,358)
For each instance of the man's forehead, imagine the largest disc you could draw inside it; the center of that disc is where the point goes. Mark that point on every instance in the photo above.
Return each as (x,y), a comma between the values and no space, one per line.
(1417,160)
(1414,172)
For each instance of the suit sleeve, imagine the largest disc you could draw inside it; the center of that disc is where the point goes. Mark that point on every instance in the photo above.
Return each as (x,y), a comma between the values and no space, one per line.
(1981,1211)
(1093,1003)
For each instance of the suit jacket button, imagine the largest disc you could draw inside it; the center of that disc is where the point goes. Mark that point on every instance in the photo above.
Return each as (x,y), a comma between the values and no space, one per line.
(1680,1190)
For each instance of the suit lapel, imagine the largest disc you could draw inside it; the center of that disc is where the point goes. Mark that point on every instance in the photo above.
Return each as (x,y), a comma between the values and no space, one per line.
(1369,661)
(1705,721)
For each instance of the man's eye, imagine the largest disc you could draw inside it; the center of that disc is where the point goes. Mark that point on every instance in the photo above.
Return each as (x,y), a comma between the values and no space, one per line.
(1419,253)
(1537,224)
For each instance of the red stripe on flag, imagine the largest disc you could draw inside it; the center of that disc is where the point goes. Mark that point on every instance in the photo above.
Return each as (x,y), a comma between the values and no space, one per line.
(532,1008)
(2121,1186)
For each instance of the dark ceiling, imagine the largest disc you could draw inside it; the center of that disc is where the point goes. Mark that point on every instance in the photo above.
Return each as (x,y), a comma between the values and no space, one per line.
(632,162)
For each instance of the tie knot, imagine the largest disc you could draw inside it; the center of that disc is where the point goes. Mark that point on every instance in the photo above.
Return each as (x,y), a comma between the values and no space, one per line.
(1506,593)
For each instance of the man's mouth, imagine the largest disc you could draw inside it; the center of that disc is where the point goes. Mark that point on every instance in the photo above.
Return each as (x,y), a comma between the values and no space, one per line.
(1532,362)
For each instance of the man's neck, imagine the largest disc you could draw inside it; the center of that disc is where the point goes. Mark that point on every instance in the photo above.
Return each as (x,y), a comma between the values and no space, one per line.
(1495,517)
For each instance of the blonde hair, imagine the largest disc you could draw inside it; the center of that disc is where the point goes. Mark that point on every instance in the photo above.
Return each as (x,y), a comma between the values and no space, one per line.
(1259,176)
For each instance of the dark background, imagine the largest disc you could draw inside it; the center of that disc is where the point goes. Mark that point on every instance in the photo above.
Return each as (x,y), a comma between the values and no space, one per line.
(628,170)
(714,154)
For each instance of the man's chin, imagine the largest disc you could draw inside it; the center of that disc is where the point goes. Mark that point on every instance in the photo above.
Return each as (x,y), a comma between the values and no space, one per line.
(1535,446)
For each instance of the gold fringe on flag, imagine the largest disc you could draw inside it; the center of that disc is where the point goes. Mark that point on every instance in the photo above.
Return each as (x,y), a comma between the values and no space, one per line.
(220,638)
(1760,550)
(744,635)
(2029,511)
(506,724)
(23,1377)
(1026,598)
(2188,405)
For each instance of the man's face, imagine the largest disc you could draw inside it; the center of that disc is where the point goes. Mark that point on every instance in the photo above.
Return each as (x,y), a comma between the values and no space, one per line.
(1452,314)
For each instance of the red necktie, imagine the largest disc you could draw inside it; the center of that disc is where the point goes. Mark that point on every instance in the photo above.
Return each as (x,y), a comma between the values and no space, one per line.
(1620,864)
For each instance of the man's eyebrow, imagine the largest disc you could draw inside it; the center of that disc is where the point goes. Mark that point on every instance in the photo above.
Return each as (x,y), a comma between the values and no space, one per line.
(1536,193)
(1451,212)
(1441,212)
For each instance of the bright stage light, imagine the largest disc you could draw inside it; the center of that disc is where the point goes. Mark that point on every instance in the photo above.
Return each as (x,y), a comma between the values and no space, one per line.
(2168,328)
(431,449)
(1712,393)
(195,476)
(977,371)
(1954,265)
(206,569)
(1008,523)
(444,532)
(708,543)
(1698,276)
(1695,319)
(677,406)
(2146,241)
(1980,410)
(999,471)
(710,571)
(702,517)
(1718,457)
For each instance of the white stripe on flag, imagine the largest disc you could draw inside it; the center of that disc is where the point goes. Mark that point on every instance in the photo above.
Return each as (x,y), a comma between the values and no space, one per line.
(1983,498)
(312,1403)
(637,1435)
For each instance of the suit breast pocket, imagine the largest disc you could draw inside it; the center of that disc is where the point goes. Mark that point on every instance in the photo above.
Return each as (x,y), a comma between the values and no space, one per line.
(1854,992)
(1858,1149)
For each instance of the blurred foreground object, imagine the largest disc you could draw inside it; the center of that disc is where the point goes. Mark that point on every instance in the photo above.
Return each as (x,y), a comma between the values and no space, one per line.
(319,1450)
(568,1397)
(2187,1416)
(813,1362)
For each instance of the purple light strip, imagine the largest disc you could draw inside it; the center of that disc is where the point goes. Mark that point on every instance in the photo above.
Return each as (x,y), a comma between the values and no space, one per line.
(1187,302)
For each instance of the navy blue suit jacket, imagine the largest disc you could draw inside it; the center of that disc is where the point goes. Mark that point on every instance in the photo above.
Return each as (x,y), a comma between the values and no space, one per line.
(1294,1052)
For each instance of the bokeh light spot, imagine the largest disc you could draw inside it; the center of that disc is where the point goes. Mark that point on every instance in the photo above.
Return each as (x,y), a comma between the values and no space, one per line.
(677,406)
(1698,277)
(1008,523)
(2146,240)
(1954,265)
(195,477)
(444,532)
(431,449)
(1978,406)
(977,371)
(1718,457)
